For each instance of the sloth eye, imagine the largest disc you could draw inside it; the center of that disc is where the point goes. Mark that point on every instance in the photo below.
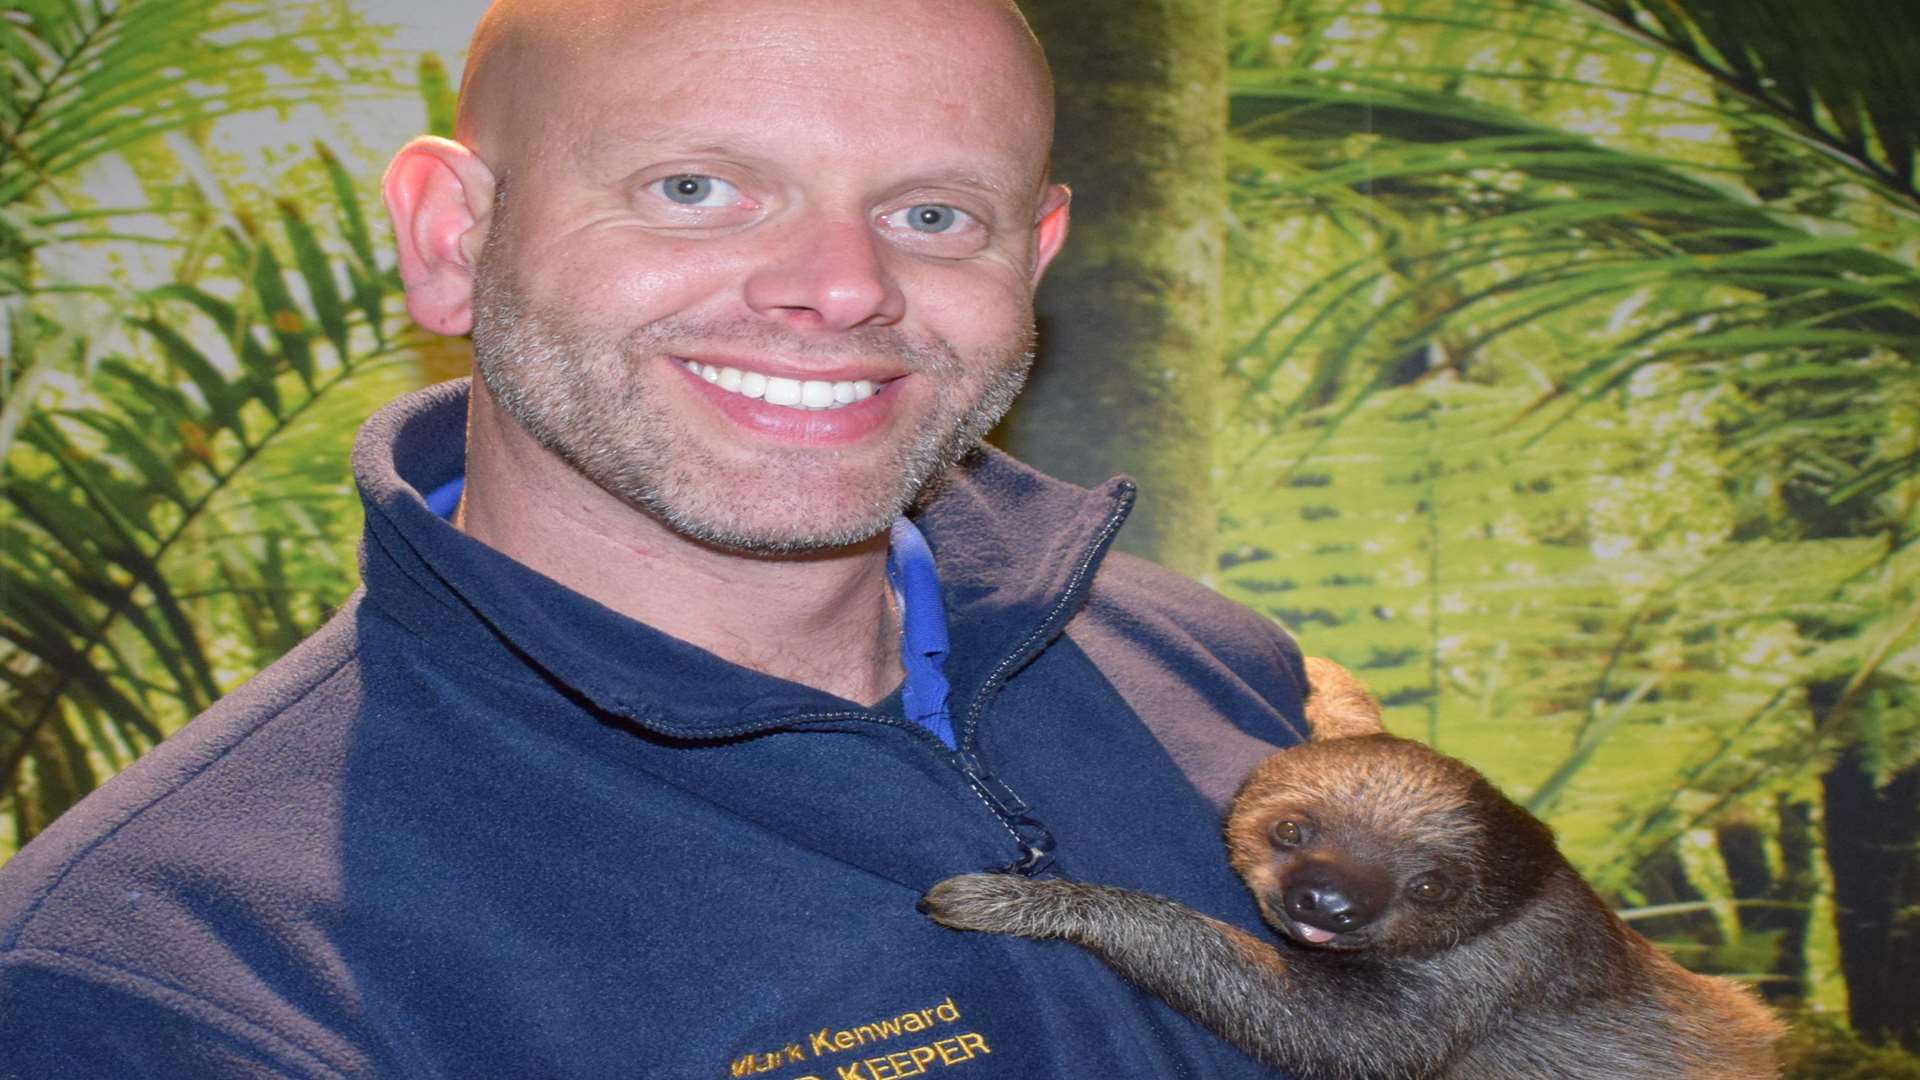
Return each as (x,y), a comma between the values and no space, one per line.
(1430,888)
(1288,834)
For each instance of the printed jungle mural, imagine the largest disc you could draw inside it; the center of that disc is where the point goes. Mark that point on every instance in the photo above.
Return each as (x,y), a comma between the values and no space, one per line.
(1555,364)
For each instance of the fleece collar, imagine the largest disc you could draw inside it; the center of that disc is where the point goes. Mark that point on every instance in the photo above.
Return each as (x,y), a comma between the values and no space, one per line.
(1015,549)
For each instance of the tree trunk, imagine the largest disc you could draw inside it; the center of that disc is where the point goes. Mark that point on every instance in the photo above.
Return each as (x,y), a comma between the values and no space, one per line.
(1661,879)
(1130,312)
(1873,852)
(1783,901)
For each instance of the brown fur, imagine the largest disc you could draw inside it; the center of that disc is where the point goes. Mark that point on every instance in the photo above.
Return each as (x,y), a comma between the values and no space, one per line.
(1337,704)
(1509,967)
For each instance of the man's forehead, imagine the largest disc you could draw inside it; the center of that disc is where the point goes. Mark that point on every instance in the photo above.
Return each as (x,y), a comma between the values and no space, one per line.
(533,67)
(566,17)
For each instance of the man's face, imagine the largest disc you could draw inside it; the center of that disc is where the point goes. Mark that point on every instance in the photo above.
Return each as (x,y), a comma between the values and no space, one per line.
(766,275)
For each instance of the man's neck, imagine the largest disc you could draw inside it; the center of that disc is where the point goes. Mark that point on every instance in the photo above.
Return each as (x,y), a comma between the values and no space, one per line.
(824,621)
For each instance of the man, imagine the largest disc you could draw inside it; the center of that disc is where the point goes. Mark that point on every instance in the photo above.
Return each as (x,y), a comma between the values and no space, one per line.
(655,718)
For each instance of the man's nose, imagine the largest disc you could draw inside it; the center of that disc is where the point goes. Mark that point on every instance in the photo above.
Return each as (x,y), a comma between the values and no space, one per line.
(827,274)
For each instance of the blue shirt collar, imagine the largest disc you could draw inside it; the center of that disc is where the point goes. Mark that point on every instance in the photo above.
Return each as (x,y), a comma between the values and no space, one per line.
(923,629)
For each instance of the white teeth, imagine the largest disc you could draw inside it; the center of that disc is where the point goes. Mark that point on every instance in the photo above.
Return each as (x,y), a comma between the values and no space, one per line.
(783,391)
(791,393)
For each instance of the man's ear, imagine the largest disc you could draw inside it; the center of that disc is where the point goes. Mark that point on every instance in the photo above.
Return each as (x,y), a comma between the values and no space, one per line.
(440,197)
(1050,230)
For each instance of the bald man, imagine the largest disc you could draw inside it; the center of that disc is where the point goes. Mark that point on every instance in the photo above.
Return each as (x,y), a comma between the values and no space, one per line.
(699,633)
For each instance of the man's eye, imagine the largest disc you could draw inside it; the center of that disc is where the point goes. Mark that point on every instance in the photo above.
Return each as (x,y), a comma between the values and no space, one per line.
(931,218)
(692,190)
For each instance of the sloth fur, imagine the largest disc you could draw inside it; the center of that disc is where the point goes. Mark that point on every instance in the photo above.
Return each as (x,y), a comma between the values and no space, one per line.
(1428,928)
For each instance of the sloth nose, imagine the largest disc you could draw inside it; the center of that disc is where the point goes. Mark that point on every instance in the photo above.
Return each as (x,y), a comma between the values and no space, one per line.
(1333,895)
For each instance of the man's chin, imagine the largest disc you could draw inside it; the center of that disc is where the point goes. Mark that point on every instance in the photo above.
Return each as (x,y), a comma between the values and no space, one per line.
(775,525)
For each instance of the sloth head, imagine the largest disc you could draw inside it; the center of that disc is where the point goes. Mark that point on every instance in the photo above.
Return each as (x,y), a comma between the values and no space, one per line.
(1375,843)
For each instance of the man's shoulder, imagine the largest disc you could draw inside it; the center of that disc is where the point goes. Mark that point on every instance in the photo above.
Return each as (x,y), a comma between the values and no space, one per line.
(1134,592)
(213,772)
(1164,626)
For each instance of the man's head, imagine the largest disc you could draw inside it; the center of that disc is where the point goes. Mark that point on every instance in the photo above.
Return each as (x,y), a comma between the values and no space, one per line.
(664,220)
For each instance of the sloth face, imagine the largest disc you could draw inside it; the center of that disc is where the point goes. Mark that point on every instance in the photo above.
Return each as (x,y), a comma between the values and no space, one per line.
(1375,843)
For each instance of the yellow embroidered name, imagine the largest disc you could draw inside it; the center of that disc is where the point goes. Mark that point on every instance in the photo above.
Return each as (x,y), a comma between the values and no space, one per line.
(754,1064)
(913,1061)
(828,1041)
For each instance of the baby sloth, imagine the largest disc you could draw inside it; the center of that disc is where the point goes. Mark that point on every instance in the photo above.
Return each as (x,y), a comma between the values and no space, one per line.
(1428,927)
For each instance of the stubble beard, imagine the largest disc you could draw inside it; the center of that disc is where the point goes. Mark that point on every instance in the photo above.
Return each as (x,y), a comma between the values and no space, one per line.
(583,393)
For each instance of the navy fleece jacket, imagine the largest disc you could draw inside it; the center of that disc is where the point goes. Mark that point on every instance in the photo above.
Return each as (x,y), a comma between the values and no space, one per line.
(480,826)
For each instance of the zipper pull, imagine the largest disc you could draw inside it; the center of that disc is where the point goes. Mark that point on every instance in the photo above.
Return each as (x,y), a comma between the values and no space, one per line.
(1034,839)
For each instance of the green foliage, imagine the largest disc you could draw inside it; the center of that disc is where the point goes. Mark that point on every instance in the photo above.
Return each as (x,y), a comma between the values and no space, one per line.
(1575,399)
(87,80)
(1837,75)
(1819,1048)
(439,95)
(109,117)
(172,526)
(182,380)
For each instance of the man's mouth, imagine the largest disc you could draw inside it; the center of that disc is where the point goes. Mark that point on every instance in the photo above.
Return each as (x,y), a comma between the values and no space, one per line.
(804,394)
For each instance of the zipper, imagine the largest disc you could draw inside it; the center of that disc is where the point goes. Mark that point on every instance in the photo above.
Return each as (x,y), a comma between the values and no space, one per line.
(1030,835)
(1033,839)
(1069,596)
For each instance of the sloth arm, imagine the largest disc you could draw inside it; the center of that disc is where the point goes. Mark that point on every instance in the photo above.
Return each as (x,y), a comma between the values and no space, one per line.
(1296,1017)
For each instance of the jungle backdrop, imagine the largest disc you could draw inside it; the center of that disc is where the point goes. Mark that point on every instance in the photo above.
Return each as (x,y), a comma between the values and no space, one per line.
(1552,363)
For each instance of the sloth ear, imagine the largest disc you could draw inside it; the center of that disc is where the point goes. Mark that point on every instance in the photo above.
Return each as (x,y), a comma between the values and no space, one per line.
(1338,706)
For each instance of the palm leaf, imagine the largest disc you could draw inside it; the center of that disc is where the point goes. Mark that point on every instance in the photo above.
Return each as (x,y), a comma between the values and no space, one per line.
(137,566)
(88,82)
(1573,225)
(90,79)
(1839,76)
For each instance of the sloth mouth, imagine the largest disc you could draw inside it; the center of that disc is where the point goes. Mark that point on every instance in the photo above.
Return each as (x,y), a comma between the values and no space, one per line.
(1314,937)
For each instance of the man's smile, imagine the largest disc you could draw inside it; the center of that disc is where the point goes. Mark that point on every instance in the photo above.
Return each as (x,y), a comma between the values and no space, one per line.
(809,394)
(787,409)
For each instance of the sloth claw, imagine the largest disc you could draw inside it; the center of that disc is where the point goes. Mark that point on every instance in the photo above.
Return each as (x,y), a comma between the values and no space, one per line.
(989,903)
